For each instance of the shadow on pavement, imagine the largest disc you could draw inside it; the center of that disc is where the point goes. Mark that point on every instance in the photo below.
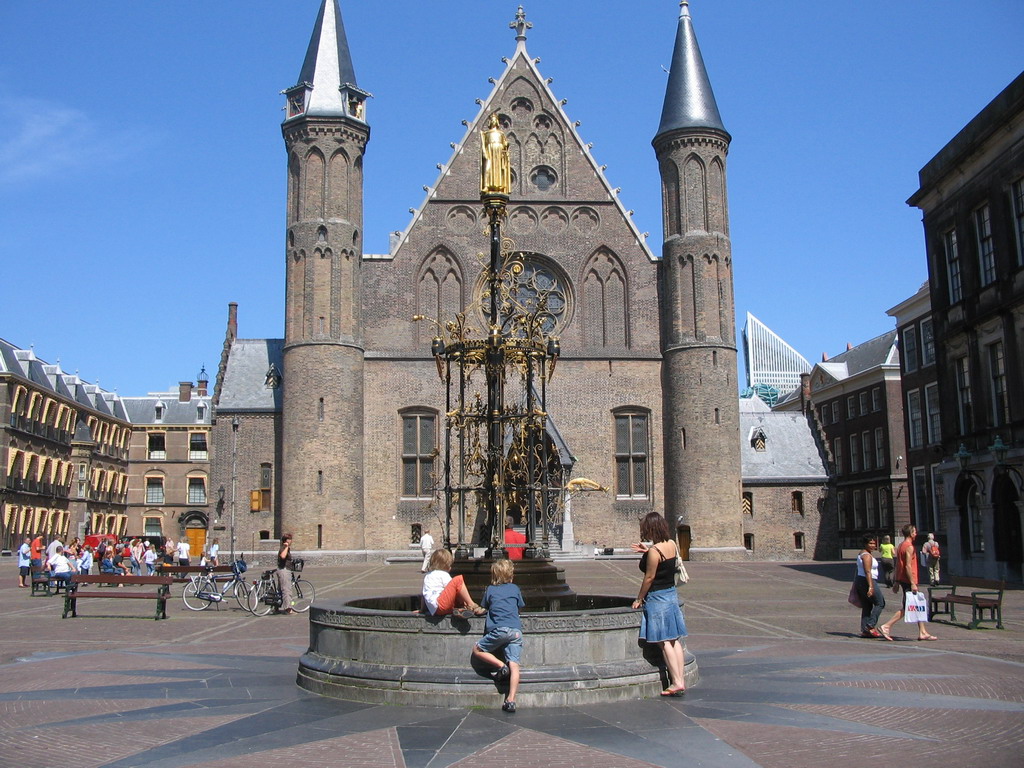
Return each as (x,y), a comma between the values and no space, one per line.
(834,571)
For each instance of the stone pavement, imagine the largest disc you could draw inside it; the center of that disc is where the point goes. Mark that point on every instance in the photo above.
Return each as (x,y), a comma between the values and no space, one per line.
(785,682)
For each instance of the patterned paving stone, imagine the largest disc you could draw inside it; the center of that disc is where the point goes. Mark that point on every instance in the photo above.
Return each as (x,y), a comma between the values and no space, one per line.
(532,748)
(786,684)
(372,749)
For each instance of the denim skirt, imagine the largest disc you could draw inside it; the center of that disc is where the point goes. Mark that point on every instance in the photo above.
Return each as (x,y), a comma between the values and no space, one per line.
(662,618)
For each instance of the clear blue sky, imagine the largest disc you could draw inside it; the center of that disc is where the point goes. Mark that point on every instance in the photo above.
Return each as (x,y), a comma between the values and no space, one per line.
(142,171)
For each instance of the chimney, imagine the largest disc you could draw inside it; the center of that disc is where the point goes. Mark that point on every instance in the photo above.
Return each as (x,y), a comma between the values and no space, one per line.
(233,320)
(805,392)
(184,391)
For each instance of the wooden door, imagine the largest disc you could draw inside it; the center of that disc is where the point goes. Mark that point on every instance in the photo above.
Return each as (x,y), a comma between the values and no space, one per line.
(683,539)
(196,542)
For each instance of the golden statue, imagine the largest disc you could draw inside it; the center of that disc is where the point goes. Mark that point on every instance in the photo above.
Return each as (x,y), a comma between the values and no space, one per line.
(495,171)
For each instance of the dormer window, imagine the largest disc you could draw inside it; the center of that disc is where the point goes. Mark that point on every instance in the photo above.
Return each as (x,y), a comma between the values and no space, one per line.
(273,378)
(158,412)
(759,440)
(296,99)
(200,412)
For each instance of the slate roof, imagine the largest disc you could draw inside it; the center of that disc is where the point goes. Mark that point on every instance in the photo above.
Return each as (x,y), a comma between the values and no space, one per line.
(689,100)
(328,63)
(880,350)
(142,410)
(24,364)
(791,453)
(245,376)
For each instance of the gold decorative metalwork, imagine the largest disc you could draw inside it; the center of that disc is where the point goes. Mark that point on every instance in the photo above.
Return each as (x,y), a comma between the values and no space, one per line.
(499,458)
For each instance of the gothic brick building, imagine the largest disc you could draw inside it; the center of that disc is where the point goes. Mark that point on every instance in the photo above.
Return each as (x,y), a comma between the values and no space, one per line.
(331,432)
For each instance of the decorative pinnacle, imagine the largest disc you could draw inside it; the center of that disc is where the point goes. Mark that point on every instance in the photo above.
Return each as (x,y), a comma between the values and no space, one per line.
(684,8)
(520,25)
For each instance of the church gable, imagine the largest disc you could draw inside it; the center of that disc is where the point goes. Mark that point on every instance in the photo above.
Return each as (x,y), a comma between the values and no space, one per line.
(563,213)
(551,168)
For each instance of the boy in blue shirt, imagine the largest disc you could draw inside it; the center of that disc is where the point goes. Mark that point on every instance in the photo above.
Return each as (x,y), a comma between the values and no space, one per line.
(502,629)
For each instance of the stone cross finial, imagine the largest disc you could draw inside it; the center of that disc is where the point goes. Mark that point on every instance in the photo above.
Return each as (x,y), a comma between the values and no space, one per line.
(520,25)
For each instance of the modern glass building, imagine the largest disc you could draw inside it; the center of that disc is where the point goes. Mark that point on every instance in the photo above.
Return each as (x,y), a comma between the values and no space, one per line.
(770,361)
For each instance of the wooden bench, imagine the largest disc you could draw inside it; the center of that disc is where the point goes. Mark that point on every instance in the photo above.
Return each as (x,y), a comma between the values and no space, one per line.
(162,584)
(43,581)
(183,573)
(981,594)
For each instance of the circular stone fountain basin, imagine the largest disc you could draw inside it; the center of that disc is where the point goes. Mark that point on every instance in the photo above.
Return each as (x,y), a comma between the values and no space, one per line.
(378,650)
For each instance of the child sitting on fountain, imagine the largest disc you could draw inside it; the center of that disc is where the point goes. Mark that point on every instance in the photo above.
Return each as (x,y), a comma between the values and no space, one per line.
(503,630)
(444,595)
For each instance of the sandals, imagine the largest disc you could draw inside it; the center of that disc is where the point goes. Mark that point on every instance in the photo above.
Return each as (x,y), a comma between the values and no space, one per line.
(928,637)
(674,692)
(885,633)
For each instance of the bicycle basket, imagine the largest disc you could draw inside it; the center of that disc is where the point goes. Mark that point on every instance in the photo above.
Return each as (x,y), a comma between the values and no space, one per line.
(239,567)
(297,564)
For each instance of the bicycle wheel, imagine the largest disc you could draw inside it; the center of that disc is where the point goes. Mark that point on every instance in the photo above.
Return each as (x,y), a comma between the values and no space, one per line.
(258,604)
(302,595)
(240,590)
(190,595)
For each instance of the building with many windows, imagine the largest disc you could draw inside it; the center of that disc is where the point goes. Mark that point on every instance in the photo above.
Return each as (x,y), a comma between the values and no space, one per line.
(169,493)
(922,420)
(63,452)
(972,197)
(857,398)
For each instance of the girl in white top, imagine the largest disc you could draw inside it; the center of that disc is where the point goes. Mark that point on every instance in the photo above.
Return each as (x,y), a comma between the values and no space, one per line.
(149,558)
(444,594)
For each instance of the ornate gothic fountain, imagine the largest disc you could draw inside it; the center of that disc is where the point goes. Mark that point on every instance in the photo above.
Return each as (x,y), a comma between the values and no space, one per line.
(501,459)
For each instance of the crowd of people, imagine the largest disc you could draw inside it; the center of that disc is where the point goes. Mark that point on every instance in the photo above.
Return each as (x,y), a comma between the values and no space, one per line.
(111,555)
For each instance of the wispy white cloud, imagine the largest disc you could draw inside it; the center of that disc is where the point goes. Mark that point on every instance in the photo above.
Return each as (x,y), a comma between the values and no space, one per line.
(43,140)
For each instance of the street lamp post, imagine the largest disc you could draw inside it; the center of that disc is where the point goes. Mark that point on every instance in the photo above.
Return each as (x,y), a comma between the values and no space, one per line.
(234,479)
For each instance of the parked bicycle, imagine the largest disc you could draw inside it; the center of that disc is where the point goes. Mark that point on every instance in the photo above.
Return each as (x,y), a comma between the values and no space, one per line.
(205,589)
(264,595)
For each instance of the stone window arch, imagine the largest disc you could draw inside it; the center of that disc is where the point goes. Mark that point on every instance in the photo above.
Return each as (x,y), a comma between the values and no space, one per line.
(439,290)
(605,301)
(338,185)
(695,194)
(313,188)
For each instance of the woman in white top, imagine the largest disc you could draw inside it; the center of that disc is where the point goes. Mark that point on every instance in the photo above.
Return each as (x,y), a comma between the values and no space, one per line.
(872,601)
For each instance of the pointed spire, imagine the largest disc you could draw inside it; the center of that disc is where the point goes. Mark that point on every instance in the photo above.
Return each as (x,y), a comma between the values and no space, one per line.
(327,69)
(689,100)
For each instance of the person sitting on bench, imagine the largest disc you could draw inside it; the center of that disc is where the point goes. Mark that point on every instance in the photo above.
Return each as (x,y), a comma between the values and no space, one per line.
(107,564)
(60,568)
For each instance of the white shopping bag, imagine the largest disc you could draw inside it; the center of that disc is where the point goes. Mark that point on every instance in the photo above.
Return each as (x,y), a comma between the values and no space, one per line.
(916,608)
